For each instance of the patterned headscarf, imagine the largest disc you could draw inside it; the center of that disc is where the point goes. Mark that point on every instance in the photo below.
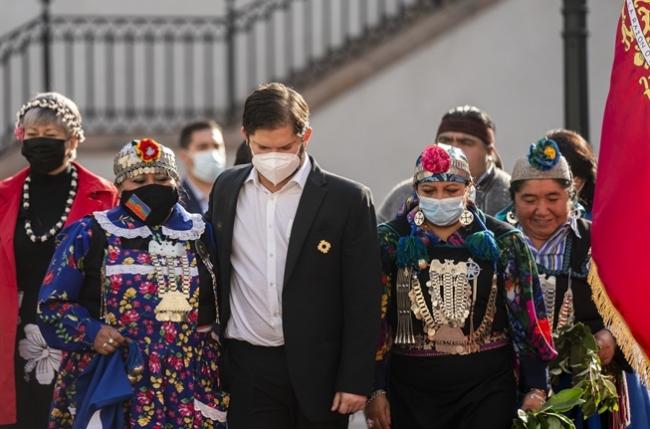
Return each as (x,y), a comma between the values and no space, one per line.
(441,163)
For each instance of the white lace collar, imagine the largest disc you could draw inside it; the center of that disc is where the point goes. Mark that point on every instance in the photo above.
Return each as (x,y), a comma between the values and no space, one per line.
(181,225)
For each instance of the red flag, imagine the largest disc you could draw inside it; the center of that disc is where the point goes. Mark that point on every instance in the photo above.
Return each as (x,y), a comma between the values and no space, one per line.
(621,228)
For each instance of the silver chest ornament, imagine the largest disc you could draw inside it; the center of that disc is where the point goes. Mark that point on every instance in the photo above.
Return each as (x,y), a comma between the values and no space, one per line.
(451,301)
(174,304)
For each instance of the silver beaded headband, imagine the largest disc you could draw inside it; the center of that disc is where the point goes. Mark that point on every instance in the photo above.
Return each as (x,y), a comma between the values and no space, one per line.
(145,156)
(71,119)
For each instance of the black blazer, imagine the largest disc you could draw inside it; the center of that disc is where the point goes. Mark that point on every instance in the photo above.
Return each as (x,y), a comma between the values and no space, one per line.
(188,200)
(330,300)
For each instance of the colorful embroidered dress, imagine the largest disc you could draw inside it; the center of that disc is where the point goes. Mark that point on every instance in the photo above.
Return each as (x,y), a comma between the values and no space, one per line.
(563,263)
(430,384)
(102,273)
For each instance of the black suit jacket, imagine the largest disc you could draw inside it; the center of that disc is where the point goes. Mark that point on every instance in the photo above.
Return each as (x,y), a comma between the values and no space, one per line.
(188,200)
(330,300)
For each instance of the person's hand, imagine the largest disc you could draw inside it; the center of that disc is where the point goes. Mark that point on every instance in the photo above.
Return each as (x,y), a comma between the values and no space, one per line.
(347,403)
(108,340)
(606,346)
(378,412)
(534,400)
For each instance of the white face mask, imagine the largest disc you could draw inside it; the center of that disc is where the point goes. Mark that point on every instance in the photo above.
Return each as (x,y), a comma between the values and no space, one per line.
(442,212)
(208,164)
(276,166)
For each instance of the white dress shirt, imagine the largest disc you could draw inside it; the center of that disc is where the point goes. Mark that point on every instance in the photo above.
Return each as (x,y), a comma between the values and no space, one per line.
(261,233)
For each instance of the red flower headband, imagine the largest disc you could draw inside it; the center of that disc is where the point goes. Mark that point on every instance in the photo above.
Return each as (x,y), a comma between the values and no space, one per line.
(435,159)
(148,150)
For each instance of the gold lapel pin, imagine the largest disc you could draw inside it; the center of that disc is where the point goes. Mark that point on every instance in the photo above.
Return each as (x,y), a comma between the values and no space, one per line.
(324,246)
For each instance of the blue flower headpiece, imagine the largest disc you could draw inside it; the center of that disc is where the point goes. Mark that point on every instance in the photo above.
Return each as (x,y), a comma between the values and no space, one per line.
(544,155)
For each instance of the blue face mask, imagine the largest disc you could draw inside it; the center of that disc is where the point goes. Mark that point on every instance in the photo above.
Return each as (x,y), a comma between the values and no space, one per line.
(444,211)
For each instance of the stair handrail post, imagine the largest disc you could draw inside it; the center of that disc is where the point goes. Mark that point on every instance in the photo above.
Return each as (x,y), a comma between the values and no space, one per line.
(230,61)
(576,84)
(46,40)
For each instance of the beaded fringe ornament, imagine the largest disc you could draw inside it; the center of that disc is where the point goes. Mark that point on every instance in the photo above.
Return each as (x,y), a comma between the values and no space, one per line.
(173,307)
(404,322)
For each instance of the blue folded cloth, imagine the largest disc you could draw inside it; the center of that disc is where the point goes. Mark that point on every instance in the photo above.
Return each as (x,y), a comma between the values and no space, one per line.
(639,402)
(104,386)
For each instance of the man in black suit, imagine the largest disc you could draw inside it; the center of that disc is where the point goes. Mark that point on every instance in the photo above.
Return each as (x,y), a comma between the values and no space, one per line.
(299,276)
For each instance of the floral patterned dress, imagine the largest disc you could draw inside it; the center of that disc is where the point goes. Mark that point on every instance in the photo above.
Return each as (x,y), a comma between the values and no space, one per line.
(180,386)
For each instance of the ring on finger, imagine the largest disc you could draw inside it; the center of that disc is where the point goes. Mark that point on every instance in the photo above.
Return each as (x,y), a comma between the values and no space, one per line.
(104,345)
(111,341)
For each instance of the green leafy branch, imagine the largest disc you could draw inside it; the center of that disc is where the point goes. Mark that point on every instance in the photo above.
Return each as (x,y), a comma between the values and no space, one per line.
(592,390)
(551,415)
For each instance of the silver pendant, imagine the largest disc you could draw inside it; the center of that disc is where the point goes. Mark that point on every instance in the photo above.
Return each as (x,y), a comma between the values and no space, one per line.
(173,307)
(419,218)
(473,270)
(450,340)
(466,218)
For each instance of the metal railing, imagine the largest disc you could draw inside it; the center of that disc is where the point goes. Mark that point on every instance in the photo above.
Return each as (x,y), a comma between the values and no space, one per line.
(152,73)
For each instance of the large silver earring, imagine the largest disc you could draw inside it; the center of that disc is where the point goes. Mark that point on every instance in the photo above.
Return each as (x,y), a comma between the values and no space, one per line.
(419,218)
(466,218)
(575,213)
(511,218)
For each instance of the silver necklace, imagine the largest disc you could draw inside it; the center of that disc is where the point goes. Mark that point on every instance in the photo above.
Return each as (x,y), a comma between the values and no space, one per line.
(64,217)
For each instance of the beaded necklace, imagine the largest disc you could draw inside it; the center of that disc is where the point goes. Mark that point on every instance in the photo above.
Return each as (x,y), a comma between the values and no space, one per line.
(64,217)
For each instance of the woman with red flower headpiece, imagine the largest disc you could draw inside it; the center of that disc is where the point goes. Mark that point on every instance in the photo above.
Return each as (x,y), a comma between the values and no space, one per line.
(130,295)
(461,305)
(36,204)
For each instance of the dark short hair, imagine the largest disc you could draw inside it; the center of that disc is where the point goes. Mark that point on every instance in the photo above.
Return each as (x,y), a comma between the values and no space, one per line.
(243,154)
(191,128)
(581,159)
(275,105)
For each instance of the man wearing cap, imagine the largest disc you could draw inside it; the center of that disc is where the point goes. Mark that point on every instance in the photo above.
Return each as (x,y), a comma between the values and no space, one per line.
(472,130)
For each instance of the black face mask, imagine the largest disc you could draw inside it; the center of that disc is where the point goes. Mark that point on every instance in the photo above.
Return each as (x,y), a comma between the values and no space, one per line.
(44,154)
(152,204)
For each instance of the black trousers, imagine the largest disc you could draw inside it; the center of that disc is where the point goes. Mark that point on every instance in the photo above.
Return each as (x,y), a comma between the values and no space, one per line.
(261,395)
(33,399)
(453,392)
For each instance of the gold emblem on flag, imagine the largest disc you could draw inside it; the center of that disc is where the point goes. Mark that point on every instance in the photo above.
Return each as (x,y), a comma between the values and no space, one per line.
(635,32)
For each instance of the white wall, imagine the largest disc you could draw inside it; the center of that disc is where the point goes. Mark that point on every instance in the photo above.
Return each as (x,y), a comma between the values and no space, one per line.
(507,61)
